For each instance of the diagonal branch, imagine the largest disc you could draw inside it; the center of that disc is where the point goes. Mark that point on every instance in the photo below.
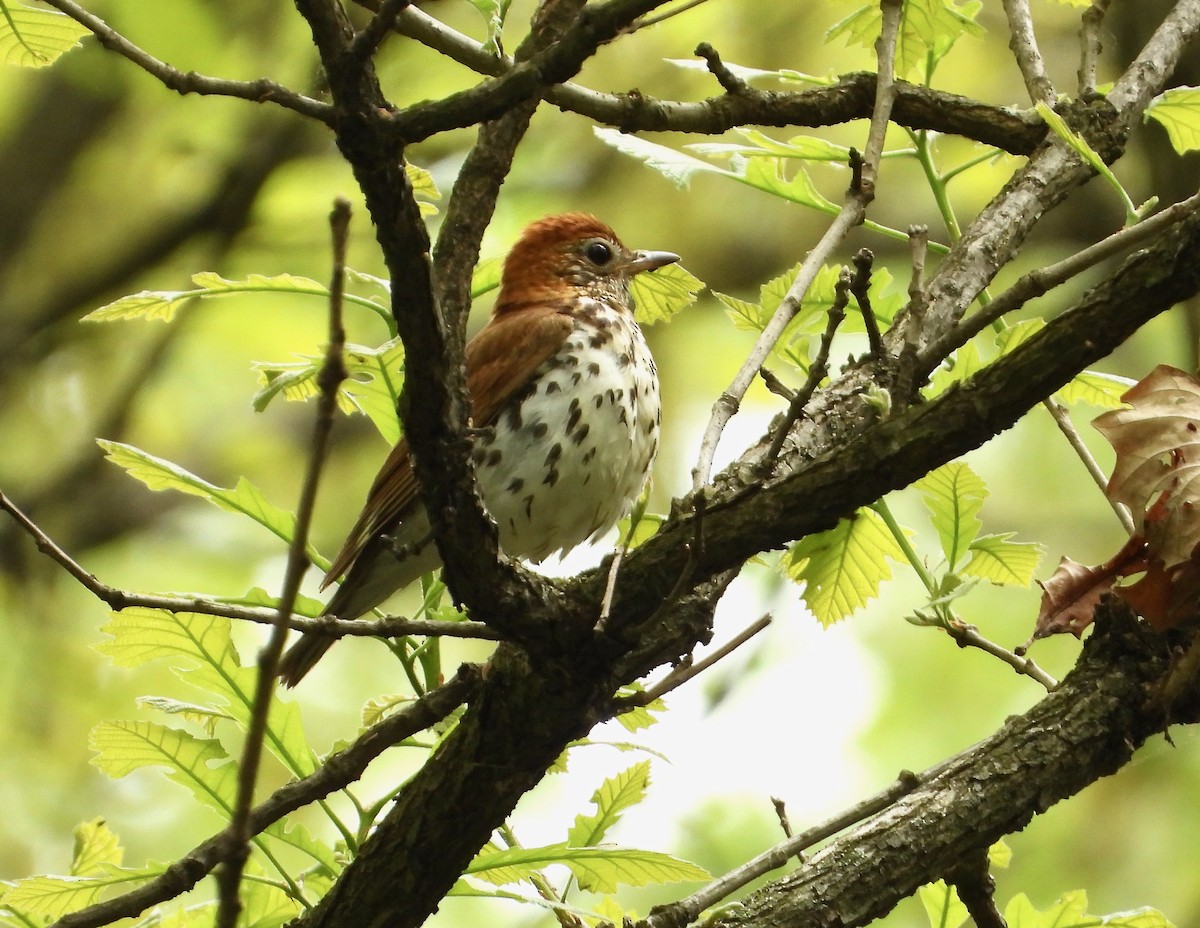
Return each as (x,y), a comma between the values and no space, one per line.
(337,772)
(853,212)
(1087,729)
(259,91)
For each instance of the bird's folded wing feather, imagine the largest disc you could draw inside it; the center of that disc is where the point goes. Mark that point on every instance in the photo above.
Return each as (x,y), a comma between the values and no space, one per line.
(500,361)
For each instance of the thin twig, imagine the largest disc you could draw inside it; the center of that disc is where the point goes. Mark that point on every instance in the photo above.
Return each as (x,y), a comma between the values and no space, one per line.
(333,372)
(1023,43)
(686,910)
(860,286)
(1036,283)
(908,377)
(775,385)
(337,772)
(818,370)
(646,21)
(119,600)
(784,825)
(687,670)
(1062,418)
(729,81)
(1090,46)
(852,213)
(257,91)
(367,42)
(967,636)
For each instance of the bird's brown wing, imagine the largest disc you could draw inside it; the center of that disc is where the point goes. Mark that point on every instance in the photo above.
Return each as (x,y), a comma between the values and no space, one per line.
(500,361)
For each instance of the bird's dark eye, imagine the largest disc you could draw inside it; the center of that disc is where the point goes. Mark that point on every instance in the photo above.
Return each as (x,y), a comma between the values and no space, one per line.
(599,253)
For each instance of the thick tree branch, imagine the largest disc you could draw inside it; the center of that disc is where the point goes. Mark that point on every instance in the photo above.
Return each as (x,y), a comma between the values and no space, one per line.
(852,97)
(1088,728)
(867,461)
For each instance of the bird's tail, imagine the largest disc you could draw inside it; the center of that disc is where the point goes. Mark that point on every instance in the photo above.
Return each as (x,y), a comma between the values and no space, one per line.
(303,656)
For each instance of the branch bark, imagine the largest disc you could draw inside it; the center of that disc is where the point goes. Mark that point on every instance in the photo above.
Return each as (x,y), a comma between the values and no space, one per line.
(1088,728)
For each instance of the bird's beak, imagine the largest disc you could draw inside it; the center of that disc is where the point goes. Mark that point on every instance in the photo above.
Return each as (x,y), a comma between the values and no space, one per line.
(649,261)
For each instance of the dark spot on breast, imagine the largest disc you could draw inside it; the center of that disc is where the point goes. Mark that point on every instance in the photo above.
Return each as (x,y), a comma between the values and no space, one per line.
(575,414)
(514,416)
(579,436)
(598,399)
(494,457)
(624,416)
(552,386)
(515,486)
(588,455)
(551,477)
(623,359)
(554,454)
(593,369)
(539,430)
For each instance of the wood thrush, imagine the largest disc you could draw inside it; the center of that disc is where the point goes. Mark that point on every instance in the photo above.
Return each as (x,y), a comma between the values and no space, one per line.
(564,415)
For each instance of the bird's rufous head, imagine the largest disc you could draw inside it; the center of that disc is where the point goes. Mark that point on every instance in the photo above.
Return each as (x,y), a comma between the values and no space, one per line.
(569,255)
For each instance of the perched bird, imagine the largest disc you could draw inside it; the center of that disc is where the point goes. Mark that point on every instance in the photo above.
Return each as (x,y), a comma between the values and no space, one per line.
(564,415)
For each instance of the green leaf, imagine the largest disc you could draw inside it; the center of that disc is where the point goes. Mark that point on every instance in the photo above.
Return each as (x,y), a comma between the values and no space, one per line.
(212,666)
(245,498)
(32,38)
(1013,336)
(163,304)
(803,147)
(1080,146)
(493,13)
(841,569)
(55,896)
(95,846)
(660,295)
(423,187)
(200,765)
(1070,911)
(1178,111)
(942,906)
(1096,388)
(954,494)
(965,363)
(768,175)
(375,378)
(1005,563)
(486,276)
(598,869)
(615,795)
(204,716)
(928,30)
(297,836)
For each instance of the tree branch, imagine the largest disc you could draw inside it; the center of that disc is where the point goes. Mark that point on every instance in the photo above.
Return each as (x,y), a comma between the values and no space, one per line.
(852,97)
(1088,728)
(259,91)
(337,772)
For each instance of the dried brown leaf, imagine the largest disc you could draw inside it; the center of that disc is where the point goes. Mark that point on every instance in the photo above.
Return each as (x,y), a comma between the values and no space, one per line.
(1157,472)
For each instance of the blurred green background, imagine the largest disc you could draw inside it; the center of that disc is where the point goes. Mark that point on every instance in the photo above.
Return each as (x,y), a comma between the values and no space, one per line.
(111,184)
